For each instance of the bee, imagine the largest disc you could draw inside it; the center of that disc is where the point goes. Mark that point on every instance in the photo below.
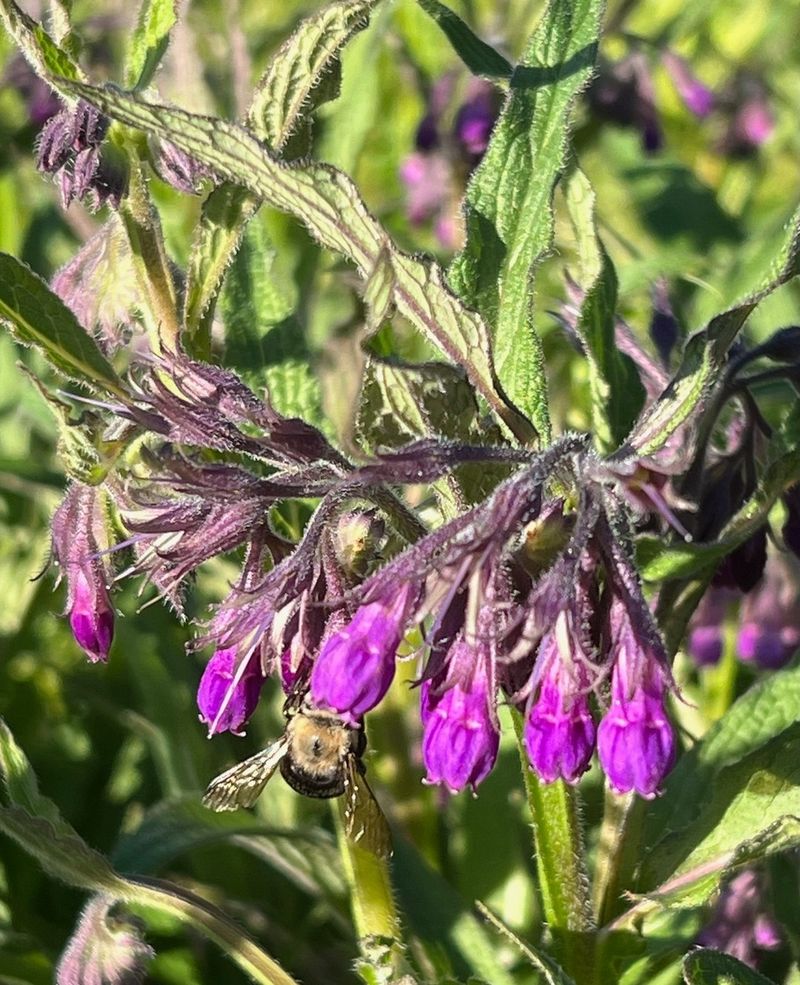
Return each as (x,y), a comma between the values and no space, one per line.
(319,756)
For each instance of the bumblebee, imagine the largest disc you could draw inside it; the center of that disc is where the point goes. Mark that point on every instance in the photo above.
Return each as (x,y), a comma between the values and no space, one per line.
(319,756)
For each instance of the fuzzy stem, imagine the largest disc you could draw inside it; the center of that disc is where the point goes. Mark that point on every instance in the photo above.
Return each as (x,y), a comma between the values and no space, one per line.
(143,229)
(561,865)
(374,913)
(618,852)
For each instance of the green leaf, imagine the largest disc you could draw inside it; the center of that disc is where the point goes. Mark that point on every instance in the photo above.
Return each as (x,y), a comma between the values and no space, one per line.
(149,41)
(35,824)
(39,317)
(733,796)
(291,90)
(46,57)
(264,342)
(400,402)
(329,204)
(509,214)
(479,57)
(617,392)
(705,353)
(705,966)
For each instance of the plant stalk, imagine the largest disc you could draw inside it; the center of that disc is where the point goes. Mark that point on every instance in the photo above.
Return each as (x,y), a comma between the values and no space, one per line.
(561,864)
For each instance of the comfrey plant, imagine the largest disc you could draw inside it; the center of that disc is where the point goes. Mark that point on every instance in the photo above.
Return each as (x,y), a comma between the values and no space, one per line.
(458,562)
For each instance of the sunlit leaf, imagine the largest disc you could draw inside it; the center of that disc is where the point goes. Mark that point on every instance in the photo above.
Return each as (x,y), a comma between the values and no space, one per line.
(38,317)
(509,212)
(329,204)
(148,42)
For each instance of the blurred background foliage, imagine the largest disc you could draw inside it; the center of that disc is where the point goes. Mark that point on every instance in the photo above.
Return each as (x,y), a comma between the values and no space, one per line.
(119,747)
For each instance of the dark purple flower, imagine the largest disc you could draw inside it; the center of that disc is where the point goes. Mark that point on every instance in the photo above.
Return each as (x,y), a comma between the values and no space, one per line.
(79,538)
(697,98)
(476,118)
(105,949)
(706,629)
(791,526)
(461,738)
(664,328)
(559,728)
(228,694)
(41,101)
(752,120)
(635,740)
(356,665)
(739,924)
(769,633)
(623,93)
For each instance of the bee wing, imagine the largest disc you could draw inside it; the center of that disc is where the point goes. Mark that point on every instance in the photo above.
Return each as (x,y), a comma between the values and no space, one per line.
(241,785)
(365,823)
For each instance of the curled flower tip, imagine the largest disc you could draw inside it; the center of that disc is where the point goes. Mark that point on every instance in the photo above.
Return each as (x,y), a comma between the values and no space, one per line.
(559,730)
(460,741)
(356,665)
(226,702)
(106,948)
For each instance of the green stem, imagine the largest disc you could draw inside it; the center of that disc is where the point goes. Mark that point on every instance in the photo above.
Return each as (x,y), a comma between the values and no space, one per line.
(143,229)
(201,915)
(618,852)
(561,865)
(374,913)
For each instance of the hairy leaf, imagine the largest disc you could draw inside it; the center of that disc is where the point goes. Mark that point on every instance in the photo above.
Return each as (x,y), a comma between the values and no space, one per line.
(329,204)
(47,58)
(264,342)
(149,41)
(286,97)
(705,354)
(730,795)
(509,215)
(479,57)
(705,966)
(39,317)
(34,823)
(617,392)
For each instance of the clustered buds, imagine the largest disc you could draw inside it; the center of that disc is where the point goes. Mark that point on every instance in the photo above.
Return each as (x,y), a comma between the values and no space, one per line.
(70,150)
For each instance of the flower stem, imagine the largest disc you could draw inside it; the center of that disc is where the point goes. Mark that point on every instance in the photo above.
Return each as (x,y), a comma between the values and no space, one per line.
(374,913)
(561,864)
(618,852)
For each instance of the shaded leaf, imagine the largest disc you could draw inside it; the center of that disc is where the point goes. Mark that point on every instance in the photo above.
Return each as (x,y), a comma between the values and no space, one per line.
(479,57)
(509,215)
(264,342)
(329,204)
(148,42)
(706,966)
(39,317)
